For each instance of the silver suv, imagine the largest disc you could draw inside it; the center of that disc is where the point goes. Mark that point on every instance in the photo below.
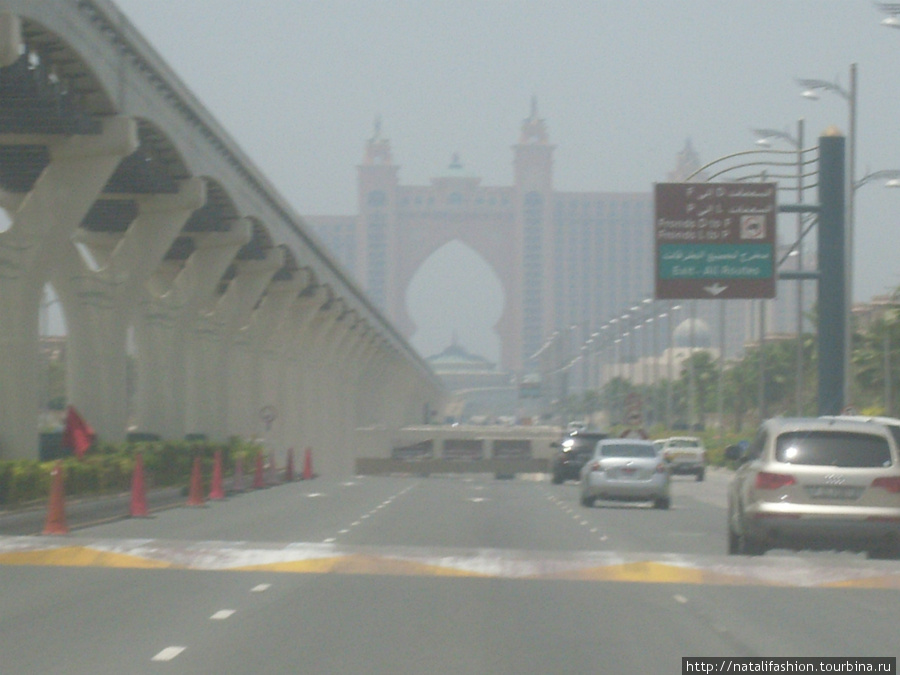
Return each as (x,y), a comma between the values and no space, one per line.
(827,483)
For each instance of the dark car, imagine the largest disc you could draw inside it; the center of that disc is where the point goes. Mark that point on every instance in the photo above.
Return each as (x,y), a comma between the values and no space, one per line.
(573,452)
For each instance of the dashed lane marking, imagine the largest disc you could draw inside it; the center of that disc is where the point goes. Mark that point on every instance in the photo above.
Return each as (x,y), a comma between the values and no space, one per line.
(168,654)
(493,563)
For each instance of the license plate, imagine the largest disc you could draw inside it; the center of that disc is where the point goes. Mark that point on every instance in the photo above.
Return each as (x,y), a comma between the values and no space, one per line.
(834,491)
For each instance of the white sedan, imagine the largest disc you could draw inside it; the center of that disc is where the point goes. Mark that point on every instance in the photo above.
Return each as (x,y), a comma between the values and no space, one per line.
(626,469)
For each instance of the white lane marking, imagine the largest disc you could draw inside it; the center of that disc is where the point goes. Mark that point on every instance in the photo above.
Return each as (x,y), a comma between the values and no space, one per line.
(478,499)
(315,494)
(365,516)
(349,484)
(604,538)
(260,588)
(344,531)
(330,540)
(687,534)
(355,524)
(680,598)
(168,653)
(222,614)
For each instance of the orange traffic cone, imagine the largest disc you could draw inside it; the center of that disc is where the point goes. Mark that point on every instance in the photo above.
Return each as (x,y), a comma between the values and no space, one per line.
(307,465)
(56,511)
(138,490)
(195,497)
(289,469)
(259,480)
(216,490)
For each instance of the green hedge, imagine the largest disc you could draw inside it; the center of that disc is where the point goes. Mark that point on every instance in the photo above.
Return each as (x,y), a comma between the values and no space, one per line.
(109,468)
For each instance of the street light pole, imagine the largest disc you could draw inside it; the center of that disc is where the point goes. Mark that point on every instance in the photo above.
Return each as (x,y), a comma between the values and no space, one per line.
(850,95)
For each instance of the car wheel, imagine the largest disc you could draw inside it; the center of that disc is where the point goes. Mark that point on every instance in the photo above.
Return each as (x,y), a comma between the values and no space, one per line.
(587,501)
(889,550)
(748,546)
(557,478)
(733,542)
(662,503)
(700,474)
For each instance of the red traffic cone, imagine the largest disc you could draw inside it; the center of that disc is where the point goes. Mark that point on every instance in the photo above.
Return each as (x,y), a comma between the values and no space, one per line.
(289,469)
(138,490)
(216,490)
(56,511)
(307,465)
(259,480)
(195,497)
(238,485)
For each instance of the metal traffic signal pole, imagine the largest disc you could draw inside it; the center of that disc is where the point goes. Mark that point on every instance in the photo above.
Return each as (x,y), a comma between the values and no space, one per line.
(832,338)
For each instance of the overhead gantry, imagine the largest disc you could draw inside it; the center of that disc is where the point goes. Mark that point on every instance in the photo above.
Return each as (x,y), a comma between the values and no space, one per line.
(164,243)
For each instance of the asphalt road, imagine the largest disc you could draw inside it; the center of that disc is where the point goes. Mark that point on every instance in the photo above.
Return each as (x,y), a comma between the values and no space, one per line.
(429,575)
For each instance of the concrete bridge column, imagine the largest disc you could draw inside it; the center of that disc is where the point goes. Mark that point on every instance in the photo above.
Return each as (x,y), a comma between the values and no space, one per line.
(10,38)
(253,346)
(363,378)
(302,317)
(404,409)
(341,394)
(168,309)
(318,379)
(42,224)
(100,304)
(354,364)
(372,405)
(209,343)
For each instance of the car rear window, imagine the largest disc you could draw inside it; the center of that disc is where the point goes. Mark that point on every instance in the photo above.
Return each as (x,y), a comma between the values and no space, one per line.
(832,448)
(627,450)
(683,443)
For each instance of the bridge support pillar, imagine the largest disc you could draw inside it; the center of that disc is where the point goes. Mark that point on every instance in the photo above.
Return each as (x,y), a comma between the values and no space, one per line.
(261,341)
(209,342)
(100,304)
(10,38)
(162,323)
(33,246)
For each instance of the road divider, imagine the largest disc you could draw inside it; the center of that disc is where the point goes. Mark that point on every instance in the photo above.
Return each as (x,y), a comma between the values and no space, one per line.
(303,558)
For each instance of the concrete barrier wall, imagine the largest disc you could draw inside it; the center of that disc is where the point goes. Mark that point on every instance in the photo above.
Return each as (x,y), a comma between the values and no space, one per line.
(375,467)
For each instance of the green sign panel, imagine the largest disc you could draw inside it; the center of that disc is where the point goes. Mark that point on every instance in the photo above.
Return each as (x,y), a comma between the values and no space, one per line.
(715,261)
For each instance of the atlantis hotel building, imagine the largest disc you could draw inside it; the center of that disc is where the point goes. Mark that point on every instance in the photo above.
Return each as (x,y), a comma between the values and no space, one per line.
(569,262)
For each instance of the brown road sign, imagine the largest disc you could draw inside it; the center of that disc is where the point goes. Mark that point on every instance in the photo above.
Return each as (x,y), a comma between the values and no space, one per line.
(715,240)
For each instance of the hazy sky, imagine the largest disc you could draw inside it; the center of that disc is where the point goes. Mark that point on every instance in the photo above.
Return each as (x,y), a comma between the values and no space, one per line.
(622,85)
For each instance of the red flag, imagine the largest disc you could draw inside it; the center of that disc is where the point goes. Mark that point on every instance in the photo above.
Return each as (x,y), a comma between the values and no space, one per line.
(78,435)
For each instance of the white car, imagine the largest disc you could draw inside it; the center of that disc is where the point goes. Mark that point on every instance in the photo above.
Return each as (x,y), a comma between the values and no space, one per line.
(685,455)
(830,483)
(626,469)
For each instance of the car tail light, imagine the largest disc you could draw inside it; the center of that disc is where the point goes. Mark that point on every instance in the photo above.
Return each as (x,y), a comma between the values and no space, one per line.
(889,483)
(596,466)
(766,480)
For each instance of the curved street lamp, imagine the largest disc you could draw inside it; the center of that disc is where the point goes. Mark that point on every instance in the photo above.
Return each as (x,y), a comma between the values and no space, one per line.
(765,137)
(893,9)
